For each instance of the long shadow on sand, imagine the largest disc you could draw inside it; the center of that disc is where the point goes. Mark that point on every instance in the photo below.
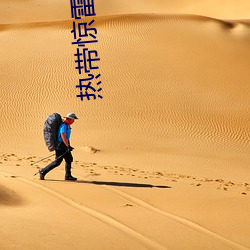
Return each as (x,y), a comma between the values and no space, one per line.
(122,184)
(114,183)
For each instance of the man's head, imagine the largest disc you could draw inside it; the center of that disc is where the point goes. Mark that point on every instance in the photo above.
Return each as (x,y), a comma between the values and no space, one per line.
(70,118)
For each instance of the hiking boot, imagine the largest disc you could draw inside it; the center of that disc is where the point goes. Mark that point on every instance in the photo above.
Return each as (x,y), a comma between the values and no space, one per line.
(41,175)
(70,178)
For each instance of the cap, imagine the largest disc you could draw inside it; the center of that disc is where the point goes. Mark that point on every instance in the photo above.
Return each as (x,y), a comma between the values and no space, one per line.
(71,116)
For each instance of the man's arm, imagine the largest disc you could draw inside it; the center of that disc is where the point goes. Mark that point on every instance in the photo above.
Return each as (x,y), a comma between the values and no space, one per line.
(66,142)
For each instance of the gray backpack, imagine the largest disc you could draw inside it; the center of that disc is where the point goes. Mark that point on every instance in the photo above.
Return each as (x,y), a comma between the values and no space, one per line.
(50,130)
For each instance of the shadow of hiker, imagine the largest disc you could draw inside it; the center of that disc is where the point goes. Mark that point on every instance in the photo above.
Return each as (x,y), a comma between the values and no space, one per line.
(122,184)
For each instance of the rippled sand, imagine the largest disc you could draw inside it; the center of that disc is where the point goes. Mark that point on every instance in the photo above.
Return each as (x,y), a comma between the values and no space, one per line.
(162,160)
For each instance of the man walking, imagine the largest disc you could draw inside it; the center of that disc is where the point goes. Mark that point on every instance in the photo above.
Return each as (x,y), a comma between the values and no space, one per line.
(63,150)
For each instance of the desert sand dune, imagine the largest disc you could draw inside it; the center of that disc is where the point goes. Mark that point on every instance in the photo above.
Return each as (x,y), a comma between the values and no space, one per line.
(162,160)
(22,11)
(199,107)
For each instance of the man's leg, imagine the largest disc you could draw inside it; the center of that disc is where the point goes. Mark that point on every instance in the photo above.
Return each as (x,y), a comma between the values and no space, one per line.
(68,160)
(52,165)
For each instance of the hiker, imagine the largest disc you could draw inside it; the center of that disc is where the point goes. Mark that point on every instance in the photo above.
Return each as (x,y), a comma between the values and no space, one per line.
(63,149)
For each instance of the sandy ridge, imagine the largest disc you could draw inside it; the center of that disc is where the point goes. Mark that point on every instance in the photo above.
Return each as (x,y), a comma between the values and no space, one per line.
(100,216)
(178,219)
(117,20)
(93,170)
(113,222)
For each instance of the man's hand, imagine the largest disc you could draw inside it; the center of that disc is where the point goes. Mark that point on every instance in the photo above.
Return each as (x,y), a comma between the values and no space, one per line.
(69,148)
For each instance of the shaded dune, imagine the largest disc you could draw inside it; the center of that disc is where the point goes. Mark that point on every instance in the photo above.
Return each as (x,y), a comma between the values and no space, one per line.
(9,197)
(117,20)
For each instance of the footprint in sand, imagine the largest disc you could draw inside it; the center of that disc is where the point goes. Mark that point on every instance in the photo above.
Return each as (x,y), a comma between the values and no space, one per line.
(128,205)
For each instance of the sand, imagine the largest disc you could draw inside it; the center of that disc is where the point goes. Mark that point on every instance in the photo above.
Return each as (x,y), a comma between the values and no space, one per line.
(162,160)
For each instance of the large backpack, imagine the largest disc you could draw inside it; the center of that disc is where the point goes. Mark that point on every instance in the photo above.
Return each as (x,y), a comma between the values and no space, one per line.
(50,130)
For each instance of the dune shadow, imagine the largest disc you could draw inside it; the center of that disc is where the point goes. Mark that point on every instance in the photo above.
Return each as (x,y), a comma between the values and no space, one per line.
(9,197)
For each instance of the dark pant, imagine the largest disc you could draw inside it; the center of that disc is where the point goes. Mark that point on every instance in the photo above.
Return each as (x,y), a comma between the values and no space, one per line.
(60,155)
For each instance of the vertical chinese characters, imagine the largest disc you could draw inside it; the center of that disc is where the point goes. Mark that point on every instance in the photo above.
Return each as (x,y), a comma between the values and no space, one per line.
(85,59)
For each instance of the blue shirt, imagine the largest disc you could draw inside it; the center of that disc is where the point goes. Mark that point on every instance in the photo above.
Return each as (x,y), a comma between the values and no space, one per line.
(64,128)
